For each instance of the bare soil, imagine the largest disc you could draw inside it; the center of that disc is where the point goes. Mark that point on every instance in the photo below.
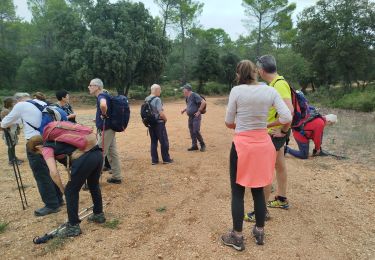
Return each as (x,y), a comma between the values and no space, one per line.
(179,211)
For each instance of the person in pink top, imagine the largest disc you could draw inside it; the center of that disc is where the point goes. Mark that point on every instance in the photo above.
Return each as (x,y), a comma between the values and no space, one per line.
(312,130)
(252,156)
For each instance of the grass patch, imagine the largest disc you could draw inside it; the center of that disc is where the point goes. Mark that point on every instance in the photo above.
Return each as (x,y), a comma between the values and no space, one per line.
(3,227)
(161,209)
(112,224)
(55,244)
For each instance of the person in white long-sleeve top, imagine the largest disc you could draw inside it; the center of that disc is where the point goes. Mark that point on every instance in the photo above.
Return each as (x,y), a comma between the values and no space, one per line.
(32,116)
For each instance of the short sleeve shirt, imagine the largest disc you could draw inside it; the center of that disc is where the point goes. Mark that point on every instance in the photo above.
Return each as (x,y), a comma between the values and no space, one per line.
(193,103)
(283,88)
(99,121)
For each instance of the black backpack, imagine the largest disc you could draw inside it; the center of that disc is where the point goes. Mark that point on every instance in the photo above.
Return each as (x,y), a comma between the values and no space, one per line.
(199,104)
(148,117)
(119,113)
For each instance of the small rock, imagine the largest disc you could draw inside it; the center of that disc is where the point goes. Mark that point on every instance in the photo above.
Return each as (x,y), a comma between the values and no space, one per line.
(160,257)
(115,256)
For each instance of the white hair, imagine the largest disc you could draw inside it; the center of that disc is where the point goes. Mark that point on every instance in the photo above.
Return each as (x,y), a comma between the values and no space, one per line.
(331,118)
(97,82)
(154,87)
(21,95)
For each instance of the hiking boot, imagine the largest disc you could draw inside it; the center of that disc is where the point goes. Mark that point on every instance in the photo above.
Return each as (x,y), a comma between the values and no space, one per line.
(276,203)
(45,211)
(168,162)
(250,217)
(114,181)
(258,233)
(203,148)
(231,239)
(193,148)
(69,231)
(97,218)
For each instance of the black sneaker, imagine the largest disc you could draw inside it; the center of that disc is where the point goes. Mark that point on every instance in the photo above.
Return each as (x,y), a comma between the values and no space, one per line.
(203,148)
(168,162)
(231,239)
(259,235)
(69,231)
(114,181)
(97,218)
(45,211)
(193,148)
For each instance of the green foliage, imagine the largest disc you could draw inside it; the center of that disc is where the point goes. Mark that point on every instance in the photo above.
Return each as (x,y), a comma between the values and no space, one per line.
(229,63)
(207,66)
(112,224)
(161,209)
(3,226)
(55,244)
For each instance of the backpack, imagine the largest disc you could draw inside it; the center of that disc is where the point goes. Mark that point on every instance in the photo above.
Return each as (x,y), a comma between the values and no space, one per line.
(314,113)
(119,113)
(199,104)
(49,114)
(147,115)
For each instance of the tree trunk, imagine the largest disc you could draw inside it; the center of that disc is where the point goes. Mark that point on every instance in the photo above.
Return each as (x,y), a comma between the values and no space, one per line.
(127,89)
(183,47)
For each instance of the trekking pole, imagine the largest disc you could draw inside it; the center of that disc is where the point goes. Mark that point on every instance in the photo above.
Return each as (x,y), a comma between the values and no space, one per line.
(16,170)
(43,239)
(338,157)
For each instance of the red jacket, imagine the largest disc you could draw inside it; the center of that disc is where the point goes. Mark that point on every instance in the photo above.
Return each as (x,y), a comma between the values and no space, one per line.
(313,130)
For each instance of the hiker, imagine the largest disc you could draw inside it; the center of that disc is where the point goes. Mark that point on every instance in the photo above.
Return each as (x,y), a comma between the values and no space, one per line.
(252,155)
(105,132)
(312,130)
(63,99)
(158,131)
(195,105)
(85,162)
(40,96)
(31,115)
(14,131)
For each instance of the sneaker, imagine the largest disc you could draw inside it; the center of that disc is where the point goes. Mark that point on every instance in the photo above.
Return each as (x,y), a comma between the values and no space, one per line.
(69,231)
(250,217)
(114,181)
(45,211)
(231,239)
(154,163)
(259,235)
(193,148)
(203,148)
(97,218)
(168,162)
(276,203)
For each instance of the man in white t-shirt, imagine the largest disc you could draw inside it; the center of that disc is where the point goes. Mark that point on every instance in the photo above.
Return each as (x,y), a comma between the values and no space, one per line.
(31,115)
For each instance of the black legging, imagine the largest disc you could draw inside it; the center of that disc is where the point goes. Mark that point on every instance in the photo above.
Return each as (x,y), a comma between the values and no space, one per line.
(238,193)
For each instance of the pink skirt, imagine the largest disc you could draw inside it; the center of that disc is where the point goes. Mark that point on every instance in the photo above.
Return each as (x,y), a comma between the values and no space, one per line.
(256,158)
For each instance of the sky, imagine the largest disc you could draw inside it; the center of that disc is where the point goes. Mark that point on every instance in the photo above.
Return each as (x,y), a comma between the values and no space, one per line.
(226,14)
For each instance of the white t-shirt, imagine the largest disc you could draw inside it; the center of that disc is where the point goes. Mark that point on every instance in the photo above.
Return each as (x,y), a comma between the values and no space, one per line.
(248,106)
(27,112)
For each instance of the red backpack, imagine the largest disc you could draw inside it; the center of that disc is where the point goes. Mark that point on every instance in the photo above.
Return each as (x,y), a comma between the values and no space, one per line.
(67,132)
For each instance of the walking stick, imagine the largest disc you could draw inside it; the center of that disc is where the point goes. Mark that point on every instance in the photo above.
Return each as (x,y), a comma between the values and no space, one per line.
(16,170)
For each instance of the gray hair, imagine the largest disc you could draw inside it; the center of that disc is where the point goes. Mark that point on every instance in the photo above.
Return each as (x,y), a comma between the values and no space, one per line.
(331,118)
(97,82)
(267,63)
(21,95)
(154,87)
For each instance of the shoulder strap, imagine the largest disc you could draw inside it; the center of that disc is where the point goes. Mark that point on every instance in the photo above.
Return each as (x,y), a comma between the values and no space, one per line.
(40,107)
(151,99)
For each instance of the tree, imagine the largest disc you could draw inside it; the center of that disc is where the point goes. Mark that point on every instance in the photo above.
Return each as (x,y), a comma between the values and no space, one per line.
(207,67)
(229,63)
(166,10)
(267,14)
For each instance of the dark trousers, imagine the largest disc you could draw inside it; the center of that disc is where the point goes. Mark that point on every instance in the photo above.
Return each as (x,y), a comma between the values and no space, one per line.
(11,153)
(158,133)
(48,190)
(87,167)
(195,128)
(302,153)
(238,193)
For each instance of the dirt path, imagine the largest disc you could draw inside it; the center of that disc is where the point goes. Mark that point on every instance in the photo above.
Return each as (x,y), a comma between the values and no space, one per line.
(179,211)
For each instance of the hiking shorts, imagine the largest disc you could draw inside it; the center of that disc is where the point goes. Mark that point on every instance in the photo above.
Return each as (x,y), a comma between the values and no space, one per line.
(279,142)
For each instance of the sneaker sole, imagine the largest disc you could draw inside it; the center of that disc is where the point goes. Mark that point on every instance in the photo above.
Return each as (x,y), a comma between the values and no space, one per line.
(232,245)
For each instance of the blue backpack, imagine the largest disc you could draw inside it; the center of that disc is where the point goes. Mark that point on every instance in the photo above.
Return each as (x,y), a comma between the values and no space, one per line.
(49,114)
(119,113)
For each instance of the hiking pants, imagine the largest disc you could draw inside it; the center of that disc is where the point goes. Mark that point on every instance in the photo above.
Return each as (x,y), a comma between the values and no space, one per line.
(195,128)
(87,167)
(110,150)
(48,190)
(302,153)
(238,193)
(158,133)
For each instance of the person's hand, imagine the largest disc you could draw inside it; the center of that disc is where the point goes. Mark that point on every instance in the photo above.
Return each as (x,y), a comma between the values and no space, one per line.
(276,132)
(197,114)
(183,111)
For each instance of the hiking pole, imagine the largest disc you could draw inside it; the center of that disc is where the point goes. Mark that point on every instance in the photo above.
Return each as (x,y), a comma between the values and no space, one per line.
(16,170)
(338,157)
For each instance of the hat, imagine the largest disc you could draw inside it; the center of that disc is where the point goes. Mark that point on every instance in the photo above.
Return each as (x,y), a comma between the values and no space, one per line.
(331,118)
(187,86)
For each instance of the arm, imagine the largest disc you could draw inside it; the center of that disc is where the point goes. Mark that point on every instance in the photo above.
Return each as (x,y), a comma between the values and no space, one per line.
(163,116)
(51,163)
(103,106)
(284,118)
(231,111)
(12,117)
(203,103)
